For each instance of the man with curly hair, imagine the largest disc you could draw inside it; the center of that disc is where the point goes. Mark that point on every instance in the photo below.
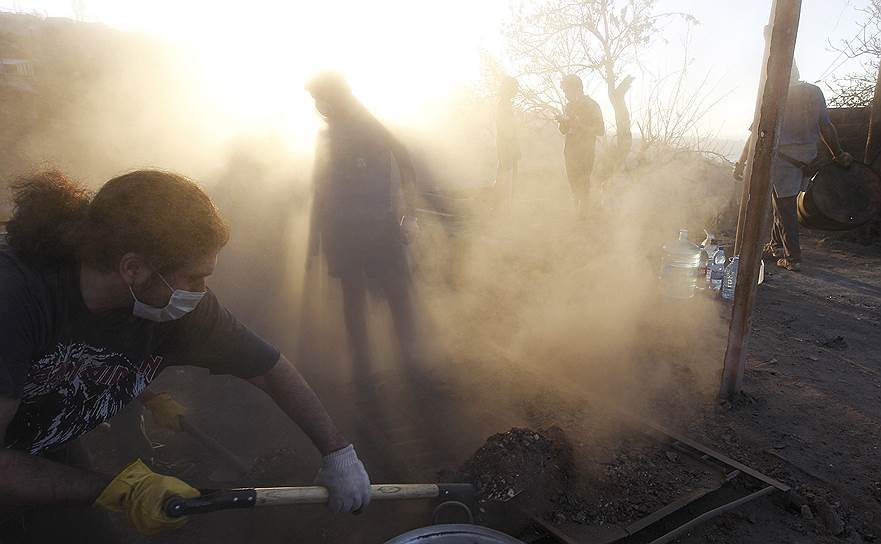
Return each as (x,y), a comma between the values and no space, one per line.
(100,294)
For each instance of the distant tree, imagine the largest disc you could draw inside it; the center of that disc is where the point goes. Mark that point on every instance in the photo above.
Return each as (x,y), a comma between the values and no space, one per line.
(857,88)
(547,39)
(671,108)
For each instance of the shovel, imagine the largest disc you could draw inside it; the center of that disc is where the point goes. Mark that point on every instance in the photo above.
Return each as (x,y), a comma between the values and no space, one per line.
(227,499)
(232,460)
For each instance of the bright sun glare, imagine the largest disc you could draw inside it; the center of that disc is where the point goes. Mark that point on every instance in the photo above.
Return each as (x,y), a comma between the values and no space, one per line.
(399,55)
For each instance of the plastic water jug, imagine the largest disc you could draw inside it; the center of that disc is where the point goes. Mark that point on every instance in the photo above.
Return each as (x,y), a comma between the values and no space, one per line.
(679,267)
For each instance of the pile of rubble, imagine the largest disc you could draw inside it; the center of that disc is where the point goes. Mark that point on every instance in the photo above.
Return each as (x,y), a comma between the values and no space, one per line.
(538,468)
(538,463)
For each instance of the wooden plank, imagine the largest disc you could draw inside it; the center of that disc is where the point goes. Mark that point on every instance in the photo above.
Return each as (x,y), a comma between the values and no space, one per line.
(774,87)
(873,142)
(706,516)
(721,457)
(669,509)
(741,211)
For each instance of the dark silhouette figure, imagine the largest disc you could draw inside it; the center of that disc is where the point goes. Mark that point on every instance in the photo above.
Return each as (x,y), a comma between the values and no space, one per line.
(582,124)
(359,217)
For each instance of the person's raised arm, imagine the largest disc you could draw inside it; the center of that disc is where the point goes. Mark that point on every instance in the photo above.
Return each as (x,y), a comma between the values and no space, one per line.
(829,134)
(562,123)
(287,387)
(830,138)
(341,471)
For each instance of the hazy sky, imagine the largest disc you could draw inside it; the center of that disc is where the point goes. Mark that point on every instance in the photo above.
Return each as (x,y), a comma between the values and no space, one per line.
(401,53)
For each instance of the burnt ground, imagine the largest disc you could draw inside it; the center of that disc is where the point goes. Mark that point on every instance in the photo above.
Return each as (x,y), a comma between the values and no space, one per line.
(809,416)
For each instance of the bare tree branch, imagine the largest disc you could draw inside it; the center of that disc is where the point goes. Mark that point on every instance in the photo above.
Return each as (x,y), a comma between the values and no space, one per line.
(671,115)
(857,88)
(548,39)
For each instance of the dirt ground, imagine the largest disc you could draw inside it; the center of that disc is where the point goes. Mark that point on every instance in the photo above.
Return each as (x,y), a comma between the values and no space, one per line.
(808,416)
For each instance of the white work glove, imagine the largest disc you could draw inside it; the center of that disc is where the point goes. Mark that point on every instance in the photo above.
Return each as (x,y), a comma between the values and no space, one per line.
(343,474)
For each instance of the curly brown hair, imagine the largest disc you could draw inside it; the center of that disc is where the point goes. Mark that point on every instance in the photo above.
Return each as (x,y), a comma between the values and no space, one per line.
(48,211)
(160,215)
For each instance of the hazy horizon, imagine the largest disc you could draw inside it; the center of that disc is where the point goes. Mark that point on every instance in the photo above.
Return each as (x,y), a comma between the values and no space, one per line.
(404,56)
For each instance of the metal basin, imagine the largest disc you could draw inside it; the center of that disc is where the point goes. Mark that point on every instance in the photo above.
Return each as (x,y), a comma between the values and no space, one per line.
(839,198)
(454,534)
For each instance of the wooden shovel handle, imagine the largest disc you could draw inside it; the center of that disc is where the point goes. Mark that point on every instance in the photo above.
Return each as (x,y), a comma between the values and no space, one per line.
(226,499)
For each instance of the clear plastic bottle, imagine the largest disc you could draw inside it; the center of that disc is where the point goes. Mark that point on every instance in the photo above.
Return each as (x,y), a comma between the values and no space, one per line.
(708,267)
(710,243)
(729,284)
(717,270)
(709,247)
(679,267)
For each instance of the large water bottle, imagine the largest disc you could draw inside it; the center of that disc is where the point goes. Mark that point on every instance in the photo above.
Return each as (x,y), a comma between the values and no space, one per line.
(679,267)
(729,284)
(717,270)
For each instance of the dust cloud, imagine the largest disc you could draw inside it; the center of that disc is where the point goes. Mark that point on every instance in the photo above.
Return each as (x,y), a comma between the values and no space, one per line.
(512,300)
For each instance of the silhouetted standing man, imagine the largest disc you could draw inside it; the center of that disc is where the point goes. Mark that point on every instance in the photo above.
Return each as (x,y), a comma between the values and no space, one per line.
(582,124)
(356,215)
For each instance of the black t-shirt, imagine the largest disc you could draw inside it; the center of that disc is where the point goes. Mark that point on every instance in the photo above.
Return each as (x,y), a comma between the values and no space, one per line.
(73,370)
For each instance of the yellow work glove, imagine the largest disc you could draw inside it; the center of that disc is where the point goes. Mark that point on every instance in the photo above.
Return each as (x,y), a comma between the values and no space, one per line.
(166,411)
(141,493)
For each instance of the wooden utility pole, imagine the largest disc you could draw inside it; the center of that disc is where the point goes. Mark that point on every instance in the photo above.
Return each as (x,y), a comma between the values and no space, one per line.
(873,142)
(773,88)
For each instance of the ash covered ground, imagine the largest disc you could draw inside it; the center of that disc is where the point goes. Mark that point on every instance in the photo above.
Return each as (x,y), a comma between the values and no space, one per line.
(536,469)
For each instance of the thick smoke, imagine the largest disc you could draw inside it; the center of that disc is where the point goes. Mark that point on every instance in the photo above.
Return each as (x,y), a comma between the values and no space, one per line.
(513,301)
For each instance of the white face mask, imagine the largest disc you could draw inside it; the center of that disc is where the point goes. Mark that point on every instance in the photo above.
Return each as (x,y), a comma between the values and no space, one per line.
(180,304)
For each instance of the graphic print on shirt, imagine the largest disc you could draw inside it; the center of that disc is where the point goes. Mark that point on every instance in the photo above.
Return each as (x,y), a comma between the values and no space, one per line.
(73,389)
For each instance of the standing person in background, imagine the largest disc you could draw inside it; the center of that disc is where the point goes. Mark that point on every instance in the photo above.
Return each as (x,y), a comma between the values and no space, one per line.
(360,217)
(581,123)
(507,144)
(805,123)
